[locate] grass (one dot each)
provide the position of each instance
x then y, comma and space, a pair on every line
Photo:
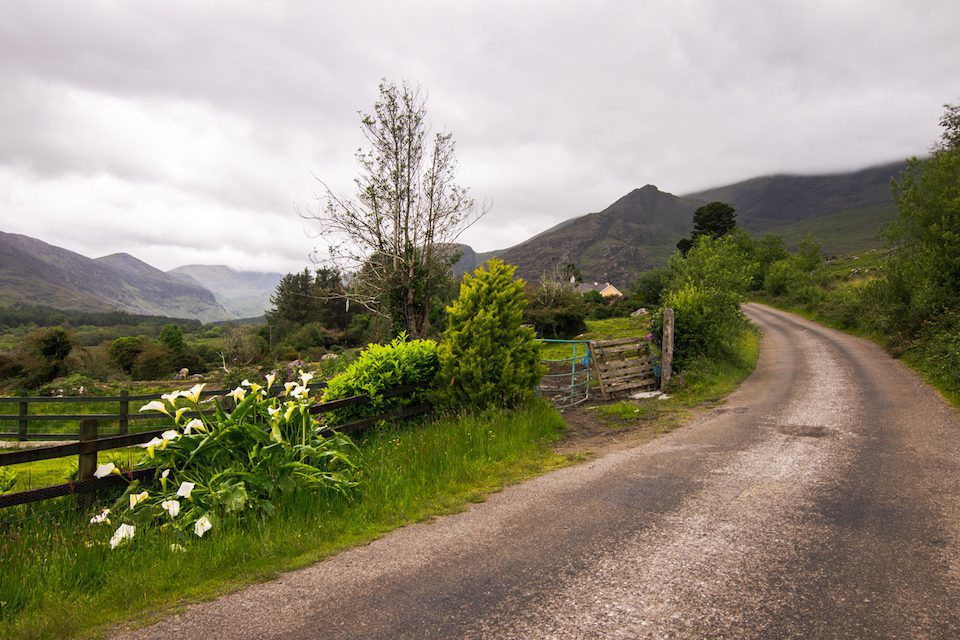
704, 383
44, 473
607, 329
58, 578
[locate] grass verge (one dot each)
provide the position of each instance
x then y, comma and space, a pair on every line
59, 578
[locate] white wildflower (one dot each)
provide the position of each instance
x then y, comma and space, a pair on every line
194, 393
186, 488
238, 394
172, 507
173, 395
170, 434
123, 532
106, 469
201, 526
271, 377
137, 498
155, 405
193, 424
306, 377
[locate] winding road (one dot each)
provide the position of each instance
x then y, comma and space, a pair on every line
822, 500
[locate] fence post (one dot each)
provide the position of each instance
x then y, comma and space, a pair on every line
22, 425
666, 356
124, 412
87, 463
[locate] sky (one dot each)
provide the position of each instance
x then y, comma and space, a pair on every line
194, 132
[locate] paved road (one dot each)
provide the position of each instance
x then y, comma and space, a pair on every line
821, 501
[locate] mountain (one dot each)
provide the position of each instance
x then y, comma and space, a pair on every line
245, 294
844, 211
34, 272
637, 232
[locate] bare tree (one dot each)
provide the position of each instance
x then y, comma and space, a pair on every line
397, 236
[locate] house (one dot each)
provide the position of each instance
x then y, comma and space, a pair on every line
606, 289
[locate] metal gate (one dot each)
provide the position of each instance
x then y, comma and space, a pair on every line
567, 381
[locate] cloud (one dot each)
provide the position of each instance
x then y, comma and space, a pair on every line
179, 131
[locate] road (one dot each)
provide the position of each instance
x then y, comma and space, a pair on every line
822, 500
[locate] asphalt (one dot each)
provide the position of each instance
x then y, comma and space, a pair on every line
822, 500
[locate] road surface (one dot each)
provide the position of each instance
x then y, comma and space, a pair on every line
822, 500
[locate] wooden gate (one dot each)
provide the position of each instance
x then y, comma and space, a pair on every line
622, 365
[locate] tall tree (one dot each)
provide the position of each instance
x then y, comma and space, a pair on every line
714, 219
397, 234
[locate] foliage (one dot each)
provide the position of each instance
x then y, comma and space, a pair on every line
398, 234
556, 310
171, 336
706, 289
648, 287
487, 357
379, 368
234, 464
714, 220
154, 361
124, 351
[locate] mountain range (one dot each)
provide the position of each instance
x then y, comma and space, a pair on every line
639, 231
37, 273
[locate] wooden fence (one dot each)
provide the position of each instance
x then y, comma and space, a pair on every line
89, 444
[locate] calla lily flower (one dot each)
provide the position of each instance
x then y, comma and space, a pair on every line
173, 395
155, 405
289, 385
194, 393
169, 434
165, 473
305, 377
123, 532
179, 414
245, 383
172, 507
291, 407
186, 488
106, 469
273, 411
193, 424
101, 518
153, 443
201, 526
271, 377
137, 498
238, 394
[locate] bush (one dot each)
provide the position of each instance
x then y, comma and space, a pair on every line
153, 362
706, 322
124, 351
557, 323
378, 368
487, 357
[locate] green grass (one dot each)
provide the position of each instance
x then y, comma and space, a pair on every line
704, 383
58, 578
43, 473
607, 329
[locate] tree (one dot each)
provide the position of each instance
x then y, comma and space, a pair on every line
172, 337
398, 234
487, 356
715, 219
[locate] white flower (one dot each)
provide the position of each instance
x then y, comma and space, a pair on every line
201, 526
173, 395
305, 377
300, 392
186, 488
193, 424
179, 414
155, 405
153, 442
101, 517
137, 498
238, 394
106, 469
270, 379
291, 407
289, 385
245, 383
172, 507
273, 411
165, 473
170, 434
123, 532
194, 392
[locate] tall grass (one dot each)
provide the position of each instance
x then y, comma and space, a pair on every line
59, 578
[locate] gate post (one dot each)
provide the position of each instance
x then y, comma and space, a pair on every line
666, 355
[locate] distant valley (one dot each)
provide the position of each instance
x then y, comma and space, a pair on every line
33, 272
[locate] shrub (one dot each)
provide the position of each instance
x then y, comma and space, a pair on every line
378, 368
153, 362
706, 322
487, 357
124, 351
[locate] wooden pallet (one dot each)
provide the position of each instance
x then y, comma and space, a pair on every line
622, 365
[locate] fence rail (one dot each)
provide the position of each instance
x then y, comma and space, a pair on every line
90, 444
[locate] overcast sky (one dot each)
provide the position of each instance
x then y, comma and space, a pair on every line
189, 132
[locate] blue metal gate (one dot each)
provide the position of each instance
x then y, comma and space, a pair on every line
567, 381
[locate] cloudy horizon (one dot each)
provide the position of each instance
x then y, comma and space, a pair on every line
191, 134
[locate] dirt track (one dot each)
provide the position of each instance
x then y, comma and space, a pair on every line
821, 501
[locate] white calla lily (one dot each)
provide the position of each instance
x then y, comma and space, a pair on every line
172, 396
193, 425
201, 526
305, 377
170, 434
137, 498
123, 532
289, 385
194, 393
172, 507
238, 394
179, 414
106, 469
186, 488
271, 377
155, 405
101, 518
